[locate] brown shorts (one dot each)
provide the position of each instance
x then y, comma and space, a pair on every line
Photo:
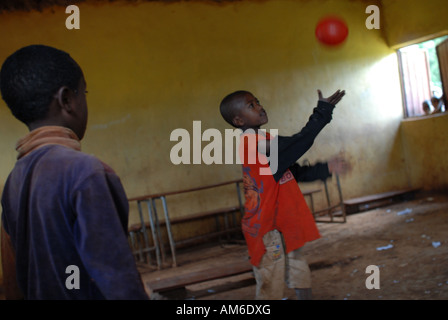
277, 269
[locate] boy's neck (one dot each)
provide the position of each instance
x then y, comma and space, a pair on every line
45, 123
256, 130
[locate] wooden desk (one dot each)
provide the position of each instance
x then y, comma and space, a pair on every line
154, 223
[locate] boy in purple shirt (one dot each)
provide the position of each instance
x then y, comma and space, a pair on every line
65, 213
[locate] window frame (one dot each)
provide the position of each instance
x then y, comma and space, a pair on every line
398, 51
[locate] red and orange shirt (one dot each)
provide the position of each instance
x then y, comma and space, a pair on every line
271, 205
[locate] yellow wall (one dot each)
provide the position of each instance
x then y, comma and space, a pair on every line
426, 148
406, 21
424, 139
152, 67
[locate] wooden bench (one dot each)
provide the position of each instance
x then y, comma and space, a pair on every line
333, 212
376, 200
136, 231
154, 225
197, 216
167, 285
146, 238
174, 287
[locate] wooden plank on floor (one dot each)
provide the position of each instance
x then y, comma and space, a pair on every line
352, 205
184, 280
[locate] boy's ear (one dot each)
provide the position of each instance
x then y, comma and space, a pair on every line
237, 121
63, 97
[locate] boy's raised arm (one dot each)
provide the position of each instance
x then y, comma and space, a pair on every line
334, 98
290, 149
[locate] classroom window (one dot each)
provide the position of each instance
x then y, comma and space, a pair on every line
424, 72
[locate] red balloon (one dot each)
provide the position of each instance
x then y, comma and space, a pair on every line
331, 31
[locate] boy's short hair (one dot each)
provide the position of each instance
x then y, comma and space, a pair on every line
228, 106
32, 75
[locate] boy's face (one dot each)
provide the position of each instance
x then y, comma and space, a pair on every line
435, 102
79, 123
250, 114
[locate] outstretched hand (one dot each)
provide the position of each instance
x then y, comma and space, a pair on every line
334, 98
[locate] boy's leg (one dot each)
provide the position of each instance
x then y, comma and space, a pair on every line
298, 274
270, 274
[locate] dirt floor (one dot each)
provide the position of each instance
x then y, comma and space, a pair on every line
407, 241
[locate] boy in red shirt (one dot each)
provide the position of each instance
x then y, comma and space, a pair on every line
277, 220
